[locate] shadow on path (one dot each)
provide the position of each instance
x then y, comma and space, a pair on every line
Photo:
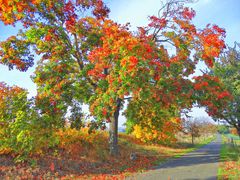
199, 164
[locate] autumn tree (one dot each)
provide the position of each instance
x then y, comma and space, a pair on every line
192, 127
208, 127
86, 57
22, 130
227, 69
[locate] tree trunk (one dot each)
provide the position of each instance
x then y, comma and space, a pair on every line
192, 139
113, 131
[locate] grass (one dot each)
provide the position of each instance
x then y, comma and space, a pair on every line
83, 156
230, 158
199, 142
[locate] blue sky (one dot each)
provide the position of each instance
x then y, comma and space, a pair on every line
225, 13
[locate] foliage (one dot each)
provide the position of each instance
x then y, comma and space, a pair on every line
165, 134
217, 96
227, 69
206, 127
233, 131
23, 131
192, 127
223, 129
85, 156
76, 117
94, 60
77, 143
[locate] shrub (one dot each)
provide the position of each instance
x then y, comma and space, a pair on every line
23, 131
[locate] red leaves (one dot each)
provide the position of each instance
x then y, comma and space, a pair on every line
200, 85
157, 23
104, 111
48, 37
71, 16
188, 13
52, 167
101, 11
148, 48
219, 30
69, 8
224, 94
211, 94
133, 62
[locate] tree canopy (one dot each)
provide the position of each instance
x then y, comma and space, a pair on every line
89, 58
228, 70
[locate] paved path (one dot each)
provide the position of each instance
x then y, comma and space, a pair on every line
200, 164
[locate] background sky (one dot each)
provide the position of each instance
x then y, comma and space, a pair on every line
224, 13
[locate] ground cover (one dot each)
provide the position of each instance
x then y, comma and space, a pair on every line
230, 158
80, 155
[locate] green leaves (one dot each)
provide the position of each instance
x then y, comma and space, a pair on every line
227, 69
34, 34
15, 52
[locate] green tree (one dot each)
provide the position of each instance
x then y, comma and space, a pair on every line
228, 70
23, 131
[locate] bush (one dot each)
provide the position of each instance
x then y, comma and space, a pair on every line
164, 135
23, 131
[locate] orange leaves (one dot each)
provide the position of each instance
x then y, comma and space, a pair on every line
230, 169
212, 41
14, 10
7, 10
130, 63
72, 140
133, 62
48, 37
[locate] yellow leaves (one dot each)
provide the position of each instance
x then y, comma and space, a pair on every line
143, 133
79, 141
137, 131
147, 131
5, 150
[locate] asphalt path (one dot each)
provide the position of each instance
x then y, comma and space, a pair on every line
199, 164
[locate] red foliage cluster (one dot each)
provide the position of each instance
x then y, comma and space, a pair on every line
157, 22
188, 13
212, 94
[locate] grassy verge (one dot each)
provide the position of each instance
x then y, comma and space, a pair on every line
230, 158
199, 142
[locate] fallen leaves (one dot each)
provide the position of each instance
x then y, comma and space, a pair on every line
86, 156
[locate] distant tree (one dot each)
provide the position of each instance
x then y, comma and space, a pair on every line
207, 127
228, 70
192, 127
223, 129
